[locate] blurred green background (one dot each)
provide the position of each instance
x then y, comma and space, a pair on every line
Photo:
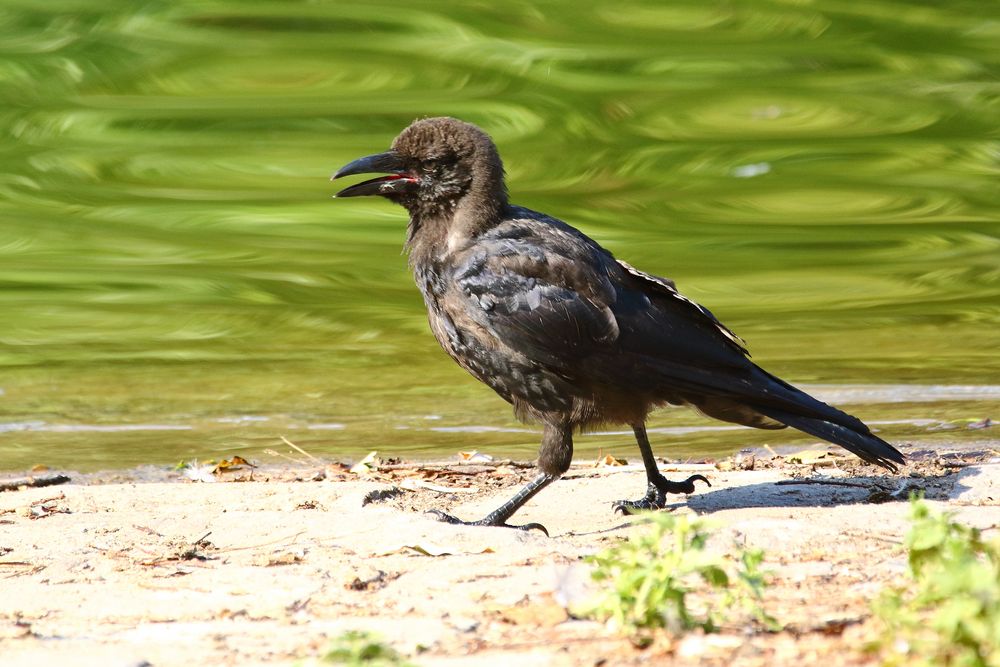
175, 280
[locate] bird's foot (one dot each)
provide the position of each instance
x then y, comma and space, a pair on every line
656, 494
448, 518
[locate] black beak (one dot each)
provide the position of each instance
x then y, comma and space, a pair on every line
397, 182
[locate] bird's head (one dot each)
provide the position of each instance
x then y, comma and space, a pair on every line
433, 166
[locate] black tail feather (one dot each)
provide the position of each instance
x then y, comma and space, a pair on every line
863, 443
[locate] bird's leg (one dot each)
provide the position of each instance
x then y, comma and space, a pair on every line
554, 457
499, 516
658, 485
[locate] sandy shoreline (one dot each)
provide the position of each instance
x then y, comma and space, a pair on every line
117, 572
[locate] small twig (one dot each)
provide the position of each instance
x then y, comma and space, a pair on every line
37, 568
828, 482
458, 464
42, 501
666, 466
872, 536
44, 480
826, 626
300, 450
291, 540
191, 553
271, 452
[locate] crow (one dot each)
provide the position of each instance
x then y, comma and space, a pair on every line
559, 328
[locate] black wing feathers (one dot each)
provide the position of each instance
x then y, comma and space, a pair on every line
549, 293
863, 443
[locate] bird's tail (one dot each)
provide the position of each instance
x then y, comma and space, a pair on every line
860, 441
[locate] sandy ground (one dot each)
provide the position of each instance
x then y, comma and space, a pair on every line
110, 571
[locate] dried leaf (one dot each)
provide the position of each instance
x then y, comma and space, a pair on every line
232, 464
336, 469
474, 457
411, 484
366, 465
609, 461
40, 511
289, 557
545, 614
815, 457
431, 549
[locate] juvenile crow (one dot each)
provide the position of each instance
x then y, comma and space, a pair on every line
559, 328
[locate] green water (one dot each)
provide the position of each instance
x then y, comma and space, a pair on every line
175, 280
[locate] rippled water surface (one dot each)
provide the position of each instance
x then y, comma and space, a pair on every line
175, 280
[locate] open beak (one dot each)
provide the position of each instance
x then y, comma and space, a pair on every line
398, 180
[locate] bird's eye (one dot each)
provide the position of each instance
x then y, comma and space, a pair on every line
428, 166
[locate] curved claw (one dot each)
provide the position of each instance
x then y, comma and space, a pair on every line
656, 494
655, 499
529, 526
632, 506
445, 517
448, 518
688, 484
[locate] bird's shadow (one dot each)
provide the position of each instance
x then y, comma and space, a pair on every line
801, 492
813, 492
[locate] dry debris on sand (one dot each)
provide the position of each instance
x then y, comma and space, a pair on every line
267, 567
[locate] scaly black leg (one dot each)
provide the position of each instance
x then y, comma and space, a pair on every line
499, 516
554, 457
658, 485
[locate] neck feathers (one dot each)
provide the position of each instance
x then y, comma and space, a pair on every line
434, 234
438, 229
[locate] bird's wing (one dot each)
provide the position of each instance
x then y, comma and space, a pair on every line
547, 293
666, 288
567, 308
545, 303
543, 289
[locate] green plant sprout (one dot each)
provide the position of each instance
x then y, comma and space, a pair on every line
950, 615
649, 579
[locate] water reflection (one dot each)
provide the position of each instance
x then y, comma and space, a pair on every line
818, 176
